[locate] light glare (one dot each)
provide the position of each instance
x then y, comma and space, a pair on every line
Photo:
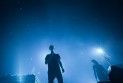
99, 51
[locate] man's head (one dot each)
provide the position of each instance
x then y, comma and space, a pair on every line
51, 47
95, 62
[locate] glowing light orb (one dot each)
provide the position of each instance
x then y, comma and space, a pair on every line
99, 51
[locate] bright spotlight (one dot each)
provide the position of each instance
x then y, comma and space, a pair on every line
99, 51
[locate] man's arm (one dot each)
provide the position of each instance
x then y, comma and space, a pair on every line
95, 73
60, 63
46, 61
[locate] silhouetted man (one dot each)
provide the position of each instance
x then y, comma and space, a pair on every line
54, 64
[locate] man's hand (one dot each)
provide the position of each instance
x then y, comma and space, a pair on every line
63, 70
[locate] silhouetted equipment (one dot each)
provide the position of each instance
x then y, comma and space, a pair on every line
116, 73
19, 79
104, 82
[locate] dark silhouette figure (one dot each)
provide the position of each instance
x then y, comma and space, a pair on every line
54, 64
100, 73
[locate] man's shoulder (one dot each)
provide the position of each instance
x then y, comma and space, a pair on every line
56, 54
53, 54
47, 55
